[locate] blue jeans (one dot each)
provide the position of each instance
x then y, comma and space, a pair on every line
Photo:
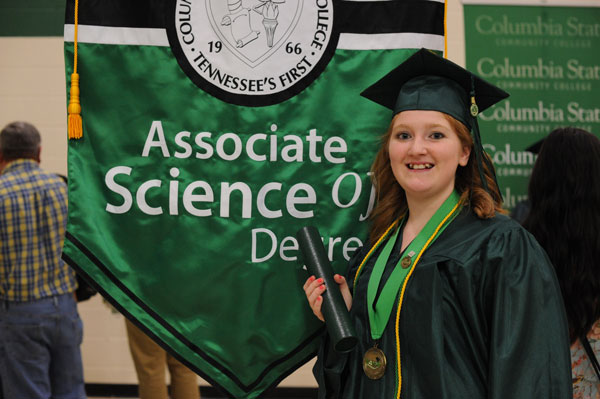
40, 356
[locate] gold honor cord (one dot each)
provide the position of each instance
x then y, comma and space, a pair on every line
380, 310
371, 252
447, 220
374, 361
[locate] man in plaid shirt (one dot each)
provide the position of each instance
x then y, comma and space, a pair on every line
40, 329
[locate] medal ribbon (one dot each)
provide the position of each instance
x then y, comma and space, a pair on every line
379, 314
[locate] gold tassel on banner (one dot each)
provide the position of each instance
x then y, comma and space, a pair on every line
75, 127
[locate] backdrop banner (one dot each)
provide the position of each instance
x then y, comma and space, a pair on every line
213, 131
548, 59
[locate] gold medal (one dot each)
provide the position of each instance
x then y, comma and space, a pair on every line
374, 363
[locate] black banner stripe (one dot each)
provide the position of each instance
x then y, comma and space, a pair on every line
393, 16
390, 17
119, 284
118, 13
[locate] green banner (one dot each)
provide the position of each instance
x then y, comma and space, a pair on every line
548, 59
212, 132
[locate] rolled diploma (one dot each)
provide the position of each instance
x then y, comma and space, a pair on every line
335, 313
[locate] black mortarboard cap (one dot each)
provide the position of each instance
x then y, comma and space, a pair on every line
426, 81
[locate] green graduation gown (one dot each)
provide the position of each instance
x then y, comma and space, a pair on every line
482, 317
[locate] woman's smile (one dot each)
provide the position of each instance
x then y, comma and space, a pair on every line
419, 166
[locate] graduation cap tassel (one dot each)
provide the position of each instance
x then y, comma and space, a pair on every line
477, 137
490, 165
479, 154
74, 126
479, 151
487, 162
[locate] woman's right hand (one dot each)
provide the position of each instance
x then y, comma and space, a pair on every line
314, 289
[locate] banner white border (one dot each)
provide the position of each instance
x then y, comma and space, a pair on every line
158, 37
116, 35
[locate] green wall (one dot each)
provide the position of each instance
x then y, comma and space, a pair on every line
32, 17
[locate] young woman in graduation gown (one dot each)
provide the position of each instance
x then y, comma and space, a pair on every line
449, 298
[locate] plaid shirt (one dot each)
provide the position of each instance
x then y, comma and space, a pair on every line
33, 217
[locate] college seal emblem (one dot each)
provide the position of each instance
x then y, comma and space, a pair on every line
252, 52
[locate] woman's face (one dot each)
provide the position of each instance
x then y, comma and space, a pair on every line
425, 152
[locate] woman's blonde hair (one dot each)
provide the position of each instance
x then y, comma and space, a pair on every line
391, 200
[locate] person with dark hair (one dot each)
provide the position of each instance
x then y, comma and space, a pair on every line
40, 329
449, 298
564, 218
521, 209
